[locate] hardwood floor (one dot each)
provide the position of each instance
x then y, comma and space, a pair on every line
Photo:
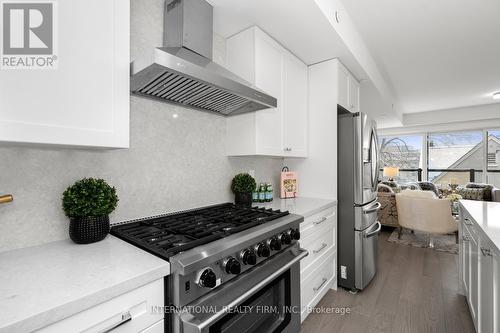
415, 290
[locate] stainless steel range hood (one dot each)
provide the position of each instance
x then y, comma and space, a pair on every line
183, 72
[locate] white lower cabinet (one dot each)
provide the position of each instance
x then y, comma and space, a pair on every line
159, 327
318, 269
479, 275
127, 313
315, 285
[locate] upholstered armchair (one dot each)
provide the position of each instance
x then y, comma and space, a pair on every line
388, 213
423, 211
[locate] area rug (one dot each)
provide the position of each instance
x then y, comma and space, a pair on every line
444, 243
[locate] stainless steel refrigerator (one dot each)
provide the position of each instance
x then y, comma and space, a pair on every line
358, 226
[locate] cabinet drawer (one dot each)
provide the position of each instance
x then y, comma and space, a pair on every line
159, 327
317, 243
130, 312
317, 220
317, 284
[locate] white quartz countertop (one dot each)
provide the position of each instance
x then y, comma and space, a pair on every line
301, 205
43, 284
487, 216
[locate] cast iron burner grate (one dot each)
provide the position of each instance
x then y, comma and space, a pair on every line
169, 234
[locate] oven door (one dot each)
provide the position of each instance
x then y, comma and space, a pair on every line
264, 299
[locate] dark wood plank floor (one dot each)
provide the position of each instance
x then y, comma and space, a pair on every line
415, 290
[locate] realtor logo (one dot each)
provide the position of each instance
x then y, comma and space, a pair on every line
28, 35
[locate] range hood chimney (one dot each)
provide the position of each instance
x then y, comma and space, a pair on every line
182, 71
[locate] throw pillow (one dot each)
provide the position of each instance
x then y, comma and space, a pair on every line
428, 186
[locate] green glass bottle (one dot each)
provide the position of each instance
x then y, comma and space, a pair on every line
255, 194
269, 192
262, 192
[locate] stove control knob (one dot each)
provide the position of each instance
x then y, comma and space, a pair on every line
294, 234
285, 238
248, 257
232, 266
263, 250
274, 244
208, 279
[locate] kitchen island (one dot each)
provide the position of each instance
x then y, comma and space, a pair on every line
479, 262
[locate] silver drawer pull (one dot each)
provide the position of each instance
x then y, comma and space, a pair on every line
321, 285
465, 238
323, 219
126, 317
486, 252
320, 249
467, 221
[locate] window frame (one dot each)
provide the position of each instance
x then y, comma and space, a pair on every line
424, 170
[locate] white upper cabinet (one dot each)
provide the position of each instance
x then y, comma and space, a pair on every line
295, 108
343, 87
348, 90
269, 74
280, 131
84, 101
353, 94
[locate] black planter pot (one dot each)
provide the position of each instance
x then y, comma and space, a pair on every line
86, 230
244, 199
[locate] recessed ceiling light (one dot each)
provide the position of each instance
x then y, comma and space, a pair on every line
496, 95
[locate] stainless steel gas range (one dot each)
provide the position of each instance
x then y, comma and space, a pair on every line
233, 269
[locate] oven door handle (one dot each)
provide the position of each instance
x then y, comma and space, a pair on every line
192, 324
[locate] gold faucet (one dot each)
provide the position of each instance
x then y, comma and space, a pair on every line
6, 198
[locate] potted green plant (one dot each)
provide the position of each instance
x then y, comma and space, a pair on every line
242, 186
88, 203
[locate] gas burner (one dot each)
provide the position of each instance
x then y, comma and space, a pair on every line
173, 233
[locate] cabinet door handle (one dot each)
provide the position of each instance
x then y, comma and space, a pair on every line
315, 289
321, 248
6, 198
486, 252
323, 219
126, 317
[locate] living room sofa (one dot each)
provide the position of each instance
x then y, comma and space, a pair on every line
388, 213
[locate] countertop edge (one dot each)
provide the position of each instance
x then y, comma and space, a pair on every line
463, 203
66, 310
316, 210
304, 206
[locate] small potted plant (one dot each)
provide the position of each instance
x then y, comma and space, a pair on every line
243, 186
454, 198
88, 204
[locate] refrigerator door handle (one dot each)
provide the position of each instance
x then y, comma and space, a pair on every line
374, 232
372, 209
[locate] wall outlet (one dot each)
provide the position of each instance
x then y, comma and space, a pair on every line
343, 272
251, 173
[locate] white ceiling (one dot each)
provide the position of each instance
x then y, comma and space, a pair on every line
438, 54
299, 26
303, 28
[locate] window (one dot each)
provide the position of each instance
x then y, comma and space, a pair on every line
494, 157
451, 156
404, 152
